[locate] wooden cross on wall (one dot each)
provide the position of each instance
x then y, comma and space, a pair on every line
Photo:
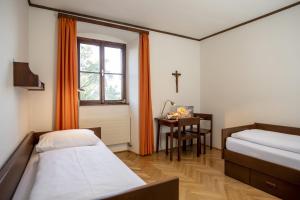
176, 74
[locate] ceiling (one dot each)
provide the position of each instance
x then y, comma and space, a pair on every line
124, 36
193, 18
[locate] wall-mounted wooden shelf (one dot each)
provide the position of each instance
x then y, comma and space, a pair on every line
23, 77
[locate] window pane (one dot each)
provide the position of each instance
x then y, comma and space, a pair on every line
90, 83
89, 58
113, 60
113, 87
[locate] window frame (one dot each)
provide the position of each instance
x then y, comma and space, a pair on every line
102, 44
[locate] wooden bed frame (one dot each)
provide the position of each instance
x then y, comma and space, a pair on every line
272, 178
12, 171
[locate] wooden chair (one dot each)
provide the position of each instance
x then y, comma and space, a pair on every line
181, 135
203, 131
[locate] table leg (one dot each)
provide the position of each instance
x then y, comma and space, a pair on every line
198, 145
204, 143
167, 144
171, 143
198, 140
184, 141
157, 137
179, 146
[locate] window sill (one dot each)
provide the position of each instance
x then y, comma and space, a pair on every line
102, 104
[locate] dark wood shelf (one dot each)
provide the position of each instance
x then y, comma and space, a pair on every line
23, 77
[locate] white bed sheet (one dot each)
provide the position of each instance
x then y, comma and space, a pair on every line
277, 140
88, 172
273, 155
26, 183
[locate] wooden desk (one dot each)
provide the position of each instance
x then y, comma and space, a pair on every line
169, 123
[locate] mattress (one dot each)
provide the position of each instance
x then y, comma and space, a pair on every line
270, 154
277, 140
87, 172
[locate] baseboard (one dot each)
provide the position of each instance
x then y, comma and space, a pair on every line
118, 147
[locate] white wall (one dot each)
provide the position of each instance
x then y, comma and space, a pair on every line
133, 92
167, 54
42, 59
13, 102
251, 74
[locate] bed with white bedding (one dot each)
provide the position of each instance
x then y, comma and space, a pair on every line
86, 172
264, 156
275, 147
262, 152
79, 167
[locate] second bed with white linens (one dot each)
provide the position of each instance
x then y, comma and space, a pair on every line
279, 148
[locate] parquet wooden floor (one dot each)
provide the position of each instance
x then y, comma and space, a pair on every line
201, 178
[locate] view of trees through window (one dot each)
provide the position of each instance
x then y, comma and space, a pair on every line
102, 71
89, 72
113, 73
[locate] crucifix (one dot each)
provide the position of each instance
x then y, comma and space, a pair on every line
176, 74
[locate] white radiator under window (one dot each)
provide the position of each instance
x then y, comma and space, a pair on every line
114, 130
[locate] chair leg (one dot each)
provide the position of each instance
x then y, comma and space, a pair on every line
167, 144
198, 145
171, 142
191, 142
179, 149
211, 139
204, 143
184, 145
171, 148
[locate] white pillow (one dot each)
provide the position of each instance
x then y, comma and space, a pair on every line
66, 138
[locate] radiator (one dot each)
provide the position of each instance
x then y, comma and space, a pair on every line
114, 130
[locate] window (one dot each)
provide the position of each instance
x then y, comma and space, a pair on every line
102, 72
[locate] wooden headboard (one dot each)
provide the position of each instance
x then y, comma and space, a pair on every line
278, 128
12, 171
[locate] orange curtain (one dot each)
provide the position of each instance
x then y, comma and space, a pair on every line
67, 75
145, 106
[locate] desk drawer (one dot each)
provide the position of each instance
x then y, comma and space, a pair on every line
274, 186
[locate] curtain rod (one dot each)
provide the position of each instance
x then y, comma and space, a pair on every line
102, 23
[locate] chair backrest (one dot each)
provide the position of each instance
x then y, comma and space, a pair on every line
188, 121
204, 116
207, 117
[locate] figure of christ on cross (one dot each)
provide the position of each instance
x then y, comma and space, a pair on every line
176, 74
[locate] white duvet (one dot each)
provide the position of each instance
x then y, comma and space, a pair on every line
276, 140
88, 172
